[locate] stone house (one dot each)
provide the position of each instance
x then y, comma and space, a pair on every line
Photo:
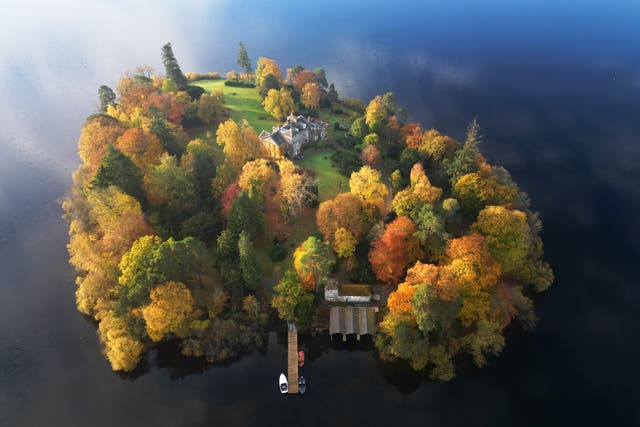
287, 139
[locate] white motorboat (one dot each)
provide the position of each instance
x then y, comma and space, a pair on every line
284, 384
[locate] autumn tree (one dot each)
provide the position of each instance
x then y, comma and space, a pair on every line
313, 260
375, 115
97, 134
211, 107
267, 66
297, 189
371, 156
310, 97
243, 59
268, 82
483, 188
344, 243
240, 143
412, 134
367, 184
302, 79
278, 103
170, 311
394, 250
151, 262
142, 147
344, 211
107, 97
359, 128
477, 271
291, 300
257, 175
419, 192
507, 234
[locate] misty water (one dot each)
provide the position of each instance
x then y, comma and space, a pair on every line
556, 88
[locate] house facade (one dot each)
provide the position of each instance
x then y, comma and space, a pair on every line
287, 139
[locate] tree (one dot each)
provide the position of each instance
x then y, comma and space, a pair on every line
107, 97
241, 143
359, 128
344, 211
430, 229
303, 78
267, 66
332, 94
143, 148
169, 312
172, 68
199, 162
344, 243
257, 175
419, 192
477, 271
371, 156
394, 250
268, 82
278, 103
245, 215
507, 234
96, 135
313, 260
290, 295
375, 115
464, 160
117, 169
248, 261
412, 133
371, 139
321, 77
311, 96
211, 107
483, 188
366, 184
243, 59
297, 189
152, 262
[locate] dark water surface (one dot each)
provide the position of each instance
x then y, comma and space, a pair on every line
555, 86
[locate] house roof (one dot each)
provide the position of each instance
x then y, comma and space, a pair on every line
352, 320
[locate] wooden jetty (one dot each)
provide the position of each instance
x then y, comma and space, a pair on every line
292, 356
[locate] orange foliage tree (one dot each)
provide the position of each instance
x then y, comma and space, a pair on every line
394, 250
142, 147
343, 211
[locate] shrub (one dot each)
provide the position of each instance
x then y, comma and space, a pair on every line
345, 162
277, 253
211, 75
239, 83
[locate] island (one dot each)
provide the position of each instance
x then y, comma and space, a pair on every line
208, 209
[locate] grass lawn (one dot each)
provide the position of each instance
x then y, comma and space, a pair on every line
330, 181
243, 103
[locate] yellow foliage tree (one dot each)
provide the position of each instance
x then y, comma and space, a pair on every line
375, 114
170, 311
420, 191
367, 184
311, 96
278, 103
241, 142
267, 66
344, 243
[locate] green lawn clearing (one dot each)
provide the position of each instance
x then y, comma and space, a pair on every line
243, 103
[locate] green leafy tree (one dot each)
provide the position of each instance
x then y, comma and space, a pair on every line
245, 215
359, 128
107, 97
464, 160
119, 170
291, 300
243, 59
172, 68
313, 260
248, 261
268, 82
321, 77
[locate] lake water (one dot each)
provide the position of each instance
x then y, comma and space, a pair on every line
556, 87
